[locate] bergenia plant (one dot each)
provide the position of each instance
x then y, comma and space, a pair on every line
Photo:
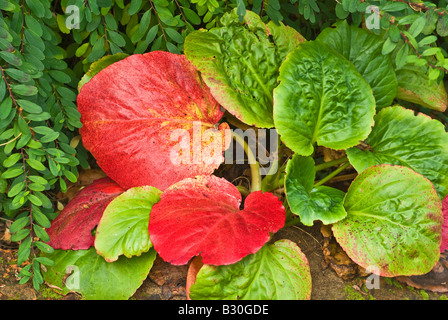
155, 124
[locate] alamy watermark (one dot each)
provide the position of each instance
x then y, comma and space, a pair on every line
73, 18
373, 280
73, 280
198, 146
373, 17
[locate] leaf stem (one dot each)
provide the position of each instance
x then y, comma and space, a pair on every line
183, 16
243, 190
329, 164
105, 35
254, 165
158, 20
332, 174
292, 221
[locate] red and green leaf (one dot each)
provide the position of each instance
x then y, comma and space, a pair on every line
130, 110
444, 244
202, 216
414, 86
72, 228
393, 223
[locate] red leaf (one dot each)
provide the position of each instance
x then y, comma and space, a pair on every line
130, 109
202, 216
72, 228
444, 244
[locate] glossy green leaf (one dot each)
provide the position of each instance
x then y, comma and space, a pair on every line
123, 228
12, 160
24, 90
19, 224
29, 106
33, 25
5, 108
16, 189
37, 7
401, 138
191, 16
10, 58
277, 271
44, 247
96, 279
394, 222
24, 251
321, 99
7, 5
174, 35
41, 234
18, 75
134, 7
311, 203
35, 164
20, 235
442, 26
99, 65
240, 62
363, 49
12, 173
414, 86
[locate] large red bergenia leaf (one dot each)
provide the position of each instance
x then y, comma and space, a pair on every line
131, 111
72, 228
444, 244
202, 216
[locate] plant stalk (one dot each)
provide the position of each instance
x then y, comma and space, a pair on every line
330, 164
332, 174
255, 184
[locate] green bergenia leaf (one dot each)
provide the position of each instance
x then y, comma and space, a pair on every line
123, 228
363, 49
414, 86
95, 278
240, 62
394, 222
401, 138
277, 271
308, 202
321, 99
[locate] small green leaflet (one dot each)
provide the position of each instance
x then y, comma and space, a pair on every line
311, 203
123, 228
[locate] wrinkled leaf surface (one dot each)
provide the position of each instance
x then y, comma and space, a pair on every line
239, 61
321, 99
